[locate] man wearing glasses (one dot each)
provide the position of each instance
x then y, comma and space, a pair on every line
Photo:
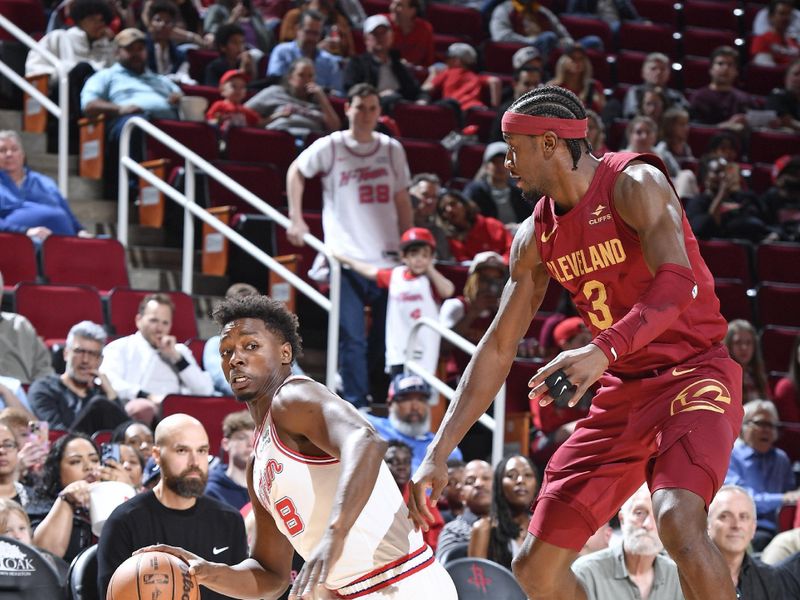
762, 469
81, 399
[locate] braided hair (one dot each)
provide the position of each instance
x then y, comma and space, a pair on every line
554, 101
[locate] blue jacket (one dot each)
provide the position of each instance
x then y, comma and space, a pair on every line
419, 445
37, 203
225, 489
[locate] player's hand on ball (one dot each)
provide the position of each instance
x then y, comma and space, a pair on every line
199, 567
582, 366
429, 476
310, 582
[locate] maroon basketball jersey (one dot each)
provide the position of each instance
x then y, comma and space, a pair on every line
598, 258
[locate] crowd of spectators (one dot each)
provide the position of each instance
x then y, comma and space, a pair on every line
292, 67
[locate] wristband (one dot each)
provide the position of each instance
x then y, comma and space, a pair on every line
672, 290
181, 364
65, 497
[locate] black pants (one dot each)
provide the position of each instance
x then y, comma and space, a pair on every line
98, 414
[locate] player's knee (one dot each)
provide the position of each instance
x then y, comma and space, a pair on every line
680, 529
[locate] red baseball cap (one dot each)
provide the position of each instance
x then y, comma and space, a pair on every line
228, 75
415, 236
567, 329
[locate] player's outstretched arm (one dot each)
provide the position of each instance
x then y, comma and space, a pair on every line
487, 370
306, 409
645, 200
263, 576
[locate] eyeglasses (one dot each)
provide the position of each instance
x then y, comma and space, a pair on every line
9, 446
764, 424
86, 352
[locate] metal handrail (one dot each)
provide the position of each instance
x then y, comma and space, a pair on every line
61, 112
187, 201
498, 433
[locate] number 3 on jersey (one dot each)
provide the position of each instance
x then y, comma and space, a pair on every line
600, 315
288, 514
369, 194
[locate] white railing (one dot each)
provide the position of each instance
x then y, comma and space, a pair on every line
61, 112
498, 431
187, 201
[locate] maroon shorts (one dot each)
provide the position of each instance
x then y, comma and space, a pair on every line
673, 430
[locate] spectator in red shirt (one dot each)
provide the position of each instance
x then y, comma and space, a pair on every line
413, 35
468, 231
787, 401
230, 111
458, 82
776, 47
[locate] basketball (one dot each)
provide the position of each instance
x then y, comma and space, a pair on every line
153, 576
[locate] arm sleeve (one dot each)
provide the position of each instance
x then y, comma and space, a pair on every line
113, 366
500, 26
198, 381
452, 312
383, 278
63, 203
95, 88
400, 166
277, 61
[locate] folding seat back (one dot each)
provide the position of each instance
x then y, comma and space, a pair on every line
123, 305
694, 72
208, 92
198, 60
728, 259
647, 38
375, 7
209, 410
200, 138
428, 157
497, 56
470, 159
248, 144
657, 11
478, 578
263, 180
776, 346
428, 122
701, 41
777, 304
484, 119
88, 261
702, 13
579, 27
768, 146
733, 299
700, 136
778, 262
629, 66
25, 14
456, 20
17, 259
54, 309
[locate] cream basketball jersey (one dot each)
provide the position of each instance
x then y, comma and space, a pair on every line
359, 182
298, 491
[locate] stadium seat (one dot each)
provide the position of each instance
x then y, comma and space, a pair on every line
102, 437
54, 434
455, 272
733, 299
54, 309
456, 20
701, 13
694, 72
580, 27
198, 59
249, 144
484, 119
776, 346
209, 410
82, 576
200, 138
86, 261
470, 159
629, 66
768, 146
700, 136
728, 259
196, 345
17, 260
615, 136
777, 304
760, 178
479, 579
123, 306
306, 252
497, 56
702, 41
453, 553
208, 92
658, 11
645, 37
28, 15
778, 262
375, 7
427, 122
262, 179
26, 573
428, 157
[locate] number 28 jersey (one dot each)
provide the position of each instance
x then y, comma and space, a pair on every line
359, 182
298, 491
598, 258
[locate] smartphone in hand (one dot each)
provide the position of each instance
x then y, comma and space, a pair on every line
109, 452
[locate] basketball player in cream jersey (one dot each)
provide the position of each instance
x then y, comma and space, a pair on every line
317, 481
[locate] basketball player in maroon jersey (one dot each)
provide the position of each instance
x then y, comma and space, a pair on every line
668, 405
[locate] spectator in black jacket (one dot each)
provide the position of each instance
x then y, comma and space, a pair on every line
494, 192
380, 66
81, 399
613, 13
785, 101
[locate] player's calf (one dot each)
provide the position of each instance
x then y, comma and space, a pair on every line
543, 571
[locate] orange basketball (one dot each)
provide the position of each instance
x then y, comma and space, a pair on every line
153, 576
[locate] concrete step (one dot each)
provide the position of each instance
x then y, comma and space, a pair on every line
11, 119
93, 213
48, 164
155, 257
168, 280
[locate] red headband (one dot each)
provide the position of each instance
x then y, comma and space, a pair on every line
529, 125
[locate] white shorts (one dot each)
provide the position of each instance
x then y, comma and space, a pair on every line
431, 582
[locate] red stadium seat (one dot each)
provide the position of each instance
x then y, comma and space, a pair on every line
657, 11
455, 272
470, 159
54, 434
579, 27
196, 345
201, 138
629, 66
427, 122
54, 309
694, 72
768, 146
700, 136
248, 144
733, 299
484, 119
102, 437
17, 259
776, 346
777, 304
198, 60
262, 179
647, 38
778, 262
760, 178
123, 305
456, 20
209, 410
25, 14
208, 92
702, 41
375, 7
428, 157
497, 56
86, 261
761, 80
720, 15
728, 259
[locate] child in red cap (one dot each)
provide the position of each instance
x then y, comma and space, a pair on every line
230, 112
416, 290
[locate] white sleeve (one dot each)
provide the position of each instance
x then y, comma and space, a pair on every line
35, 63
193, 377
400, 166
114, 367
317, 158
452, 312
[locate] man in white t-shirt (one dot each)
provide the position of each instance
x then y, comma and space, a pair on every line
365, 208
